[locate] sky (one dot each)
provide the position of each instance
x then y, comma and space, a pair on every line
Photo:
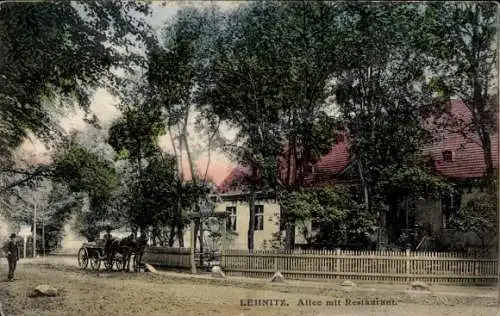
103, 104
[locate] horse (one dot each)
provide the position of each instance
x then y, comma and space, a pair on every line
124, 247
128, 247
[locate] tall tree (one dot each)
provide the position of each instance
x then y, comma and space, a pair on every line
88, 174
461, 43
306, 42
236, 88
56, 53
286, 50
384, 96
173, 70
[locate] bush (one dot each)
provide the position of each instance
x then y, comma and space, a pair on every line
479, 217
340, 219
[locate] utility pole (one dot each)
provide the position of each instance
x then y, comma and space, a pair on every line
34, 231
193, 262
43, 235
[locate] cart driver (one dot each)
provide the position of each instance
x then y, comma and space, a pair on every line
108, 238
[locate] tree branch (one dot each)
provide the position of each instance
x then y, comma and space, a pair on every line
39, 172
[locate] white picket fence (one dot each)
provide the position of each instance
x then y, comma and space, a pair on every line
380, 266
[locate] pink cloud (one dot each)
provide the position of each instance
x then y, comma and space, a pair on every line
217, 170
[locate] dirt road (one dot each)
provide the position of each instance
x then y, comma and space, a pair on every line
85, 293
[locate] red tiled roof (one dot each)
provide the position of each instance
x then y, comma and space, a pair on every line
468, 155
330, 164
232, 181
326, 168
468, 159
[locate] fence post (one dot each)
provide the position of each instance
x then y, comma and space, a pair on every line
275, 262
337, 263
407, 265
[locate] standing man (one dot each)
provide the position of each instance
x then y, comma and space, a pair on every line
12, 251
108, 239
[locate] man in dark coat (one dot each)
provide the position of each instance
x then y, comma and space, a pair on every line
12, 251
108, 239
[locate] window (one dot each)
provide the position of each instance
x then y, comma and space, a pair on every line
450, 205
259, 217
231, 221
447, 155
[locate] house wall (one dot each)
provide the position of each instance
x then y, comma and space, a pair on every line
430, 211
238, 239
426, 212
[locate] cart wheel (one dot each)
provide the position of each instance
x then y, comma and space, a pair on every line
95, 262
108, 264
120, 264
83, 258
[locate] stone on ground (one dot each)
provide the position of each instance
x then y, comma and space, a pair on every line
348, 283
217, 272
44, 290
278, 278
1, 310
150, 268
419, 285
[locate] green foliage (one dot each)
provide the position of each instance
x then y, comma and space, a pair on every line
172, 65
339, 217
415, 180
61, 205
461, 43
89, 174
157, 191
60, 51
266, 70
123, 154
479, 216
136, 133
235, 87
384, 99
308, 48
85, 172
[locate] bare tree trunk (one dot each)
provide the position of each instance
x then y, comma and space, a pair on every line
193, 179
155, 236
180, 235
195, 182
210, 140
488, 158
297, 181
251, 220
201, 241
290, 168
196, 229
171, 237
178, 212
365, 186
190, 159
178, 162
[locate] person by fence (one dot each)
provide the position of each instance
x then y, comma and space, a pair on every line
12, 250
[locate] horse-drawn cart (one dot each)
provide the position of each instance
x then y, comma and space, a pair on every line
95, 252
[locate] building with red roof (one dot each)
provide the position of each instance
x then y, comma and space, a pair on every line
454, 155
